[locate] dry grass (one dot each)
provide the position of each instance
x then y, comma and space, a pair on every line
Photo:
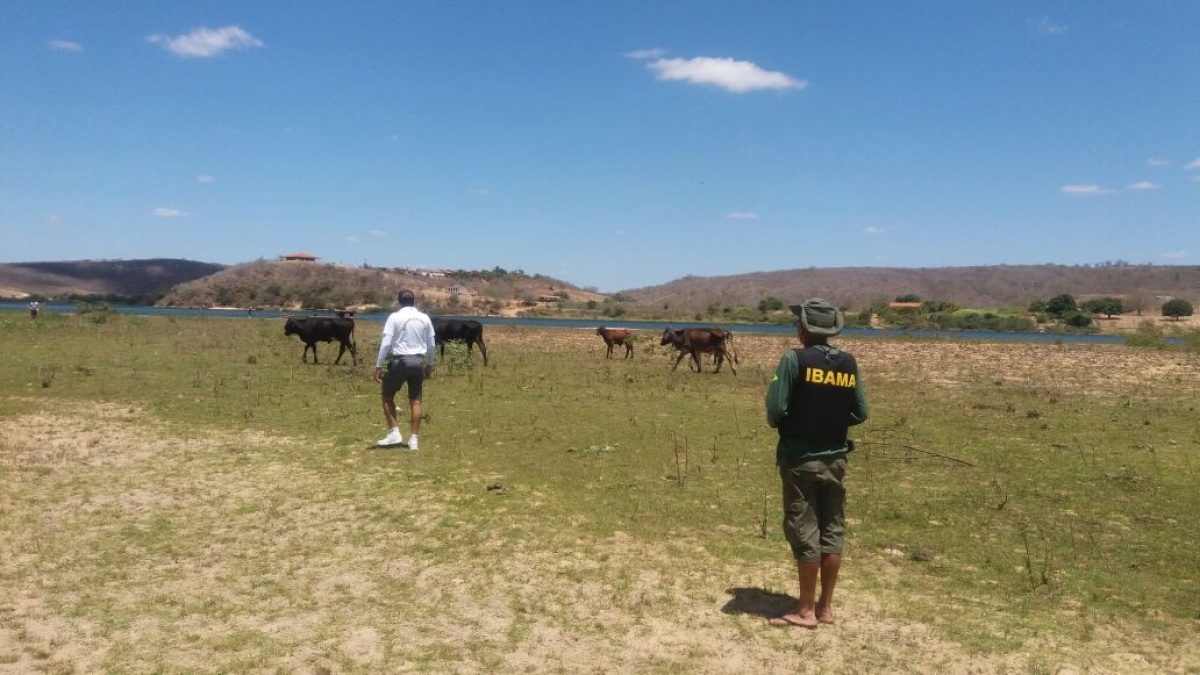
163, 528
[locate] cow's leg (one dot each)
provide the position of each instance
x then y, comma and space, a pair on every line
678, 359
482, 349
341, 350
696, 358
628, 350
728, 356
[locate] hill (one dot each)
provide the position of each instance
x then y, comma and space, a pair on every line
311, 285
137, 280
982, 286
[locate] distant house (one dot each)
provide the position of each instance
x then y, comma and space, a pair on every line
458, 289
906, 305
302, 257
549, 297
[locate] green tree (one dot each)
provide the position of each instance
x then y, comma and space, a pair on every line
945, 306
1061, 305
1108, 306
770, 304
1078, 319
1177, 307
910, 297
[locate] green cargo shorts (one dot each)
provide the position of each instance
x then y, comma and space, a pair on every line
814, 499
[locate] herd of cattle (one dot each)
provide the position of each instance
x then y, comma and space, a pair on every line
691, 342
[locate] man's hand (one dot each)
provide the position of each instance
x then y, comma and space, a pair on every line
379, 374
428, 372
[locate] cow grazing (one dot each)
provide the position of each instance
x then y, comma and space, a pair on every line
462, 330
695, 341
617, 336
314, 329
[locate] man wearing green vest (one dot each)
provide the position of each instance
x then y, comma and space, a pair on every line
813, 399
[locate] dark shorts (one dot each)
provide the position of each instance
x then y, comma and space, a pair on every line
814, 499
403, 370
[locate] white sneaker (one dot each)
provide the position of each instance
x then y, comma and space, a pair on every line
412, 442
393, 438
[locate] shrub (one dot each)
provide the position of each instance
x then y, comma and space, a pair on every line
1146, 335
1078, 320
1177, 307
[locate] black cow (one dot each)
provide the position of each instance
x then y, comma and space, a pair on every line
462, 330
314, 329
695, 341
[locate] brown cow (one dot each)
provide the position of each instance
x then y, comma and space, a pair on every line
617, 336
695, 341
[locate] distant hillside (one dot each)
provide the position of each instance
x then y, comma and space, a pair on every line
145, 280
988, 286
311, 285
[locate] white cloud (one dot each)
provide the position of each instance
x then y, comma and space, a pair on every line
52, 219
479, 192
876, 231
64, 46
729, 74
205, 42
205, 178
1143, 185
377, 233
1194, 164
1084, 190
1154, 161
162, 212
353, 239
1174, 255
652, 53
1050, 28
742, 215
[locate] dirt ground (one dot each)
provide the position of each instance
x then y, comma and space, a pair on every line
706, 617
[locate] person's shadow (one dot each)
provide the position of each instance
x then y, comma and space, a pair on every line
758, 602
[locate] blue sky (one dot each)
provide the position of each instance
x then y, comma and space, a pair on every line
610, 144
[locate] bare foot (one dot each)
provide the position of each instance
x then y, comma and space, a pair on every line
825, 615
795, 619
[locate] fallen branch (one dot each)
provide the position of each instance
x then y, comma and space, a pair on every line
932, 453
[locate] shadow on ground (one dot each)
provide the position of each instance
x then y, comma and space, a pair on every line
758, 602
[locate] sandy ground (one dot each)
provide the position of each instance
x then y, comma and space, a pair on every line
1128, 323
533, 611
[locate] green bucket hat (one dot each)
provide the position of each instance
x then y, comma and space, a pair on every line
819, 317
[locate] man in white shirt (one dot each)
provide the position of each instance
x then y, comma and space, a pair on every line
408, 339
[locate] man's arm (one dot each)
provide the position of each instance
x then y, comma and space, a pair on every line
859, 415
430, 344
780, 389
385, 345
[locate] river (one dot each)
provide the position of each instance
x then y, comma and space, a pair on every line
986, 335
